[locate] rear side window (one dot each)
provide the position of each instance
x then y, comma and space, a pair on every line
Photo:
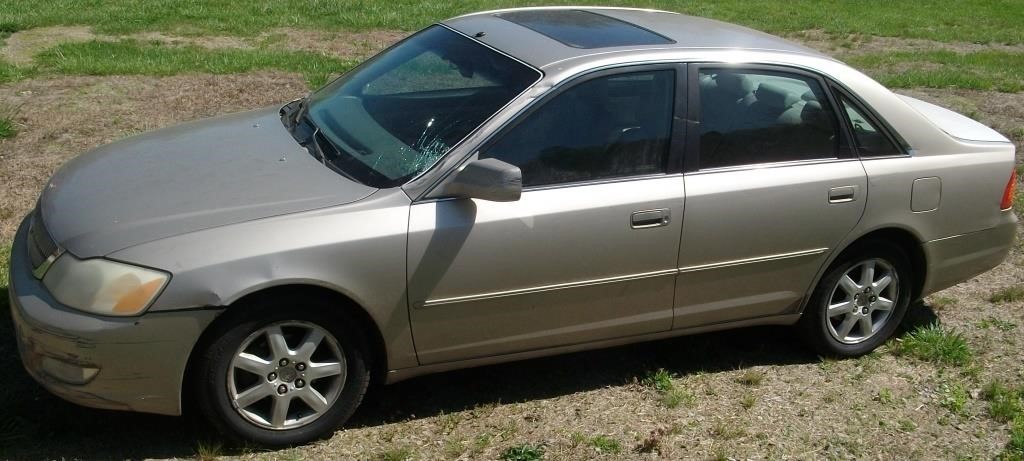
753, 116
606, 127
870, 140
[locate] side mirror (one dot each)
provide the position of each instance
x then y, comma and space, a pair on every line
488, 179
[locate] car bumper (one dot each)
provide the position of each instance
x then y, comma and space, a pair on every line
128, 363
952, 260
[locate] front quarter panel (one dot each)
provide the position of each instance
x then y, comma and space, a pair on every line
357, 250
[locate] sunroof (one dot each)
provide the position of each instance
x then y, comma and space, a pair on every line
584, 29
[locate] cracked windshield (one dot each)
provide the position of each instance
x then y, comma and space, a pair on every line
396, 115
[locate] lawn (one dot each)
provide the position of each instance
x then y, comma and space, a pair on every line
75, 74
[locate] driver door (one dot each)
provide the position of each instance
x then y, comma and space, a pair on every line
588, 253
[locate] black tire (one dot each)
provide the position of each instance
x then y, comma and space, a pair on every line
814, 324
213, 365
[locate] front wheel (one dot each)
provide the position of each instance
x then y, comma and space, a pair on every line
282, 371
860, 301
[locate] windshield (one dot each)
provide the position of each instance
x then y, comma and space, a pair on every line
400, 112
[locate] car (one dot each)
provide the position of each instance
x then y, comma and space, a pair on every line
499, 186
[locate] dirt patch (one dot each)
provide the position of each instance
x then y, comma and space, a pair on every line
23, 45
854, 44
356, 45
59, 118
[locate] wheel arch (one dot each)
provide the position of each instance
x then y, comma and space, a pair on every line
345, 303
904, 238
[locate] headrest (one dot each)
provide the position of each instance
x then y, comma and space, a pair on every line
734, 84
809, 96
775, 96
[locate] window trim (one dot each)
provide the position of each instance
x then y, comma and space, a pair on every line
677, 128
845, 151
879, 123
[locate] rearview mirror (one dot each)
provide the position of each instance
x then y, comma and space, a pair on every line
488, 179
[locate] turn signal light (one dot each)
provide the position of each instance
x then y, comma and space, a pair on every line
1009, 192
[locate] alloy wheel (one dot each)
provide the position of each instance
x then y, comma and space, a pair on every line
286, 375
862, 301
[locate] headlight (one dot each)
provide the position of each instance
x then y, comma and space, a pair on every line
102, 286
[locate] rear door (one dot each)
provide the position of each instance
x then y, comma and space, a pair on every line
589, 251
772, 187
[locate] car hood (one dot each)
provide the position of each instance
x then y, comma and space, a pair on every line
185, 178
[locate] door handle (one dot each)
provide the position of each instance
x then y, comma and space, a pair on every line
842, 194
649, 218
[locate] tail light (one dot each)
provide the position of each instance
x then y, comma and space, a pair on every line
1009, 192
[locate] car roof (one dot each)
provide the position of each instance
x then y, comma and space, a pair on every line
543, 36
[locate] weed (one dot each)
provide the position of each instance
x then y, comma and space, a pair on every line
748, 401
1008, 294
954, 398
750, 378
652, 443
481, 442
7, 128
942, 302
659, 380
393, 454
605, 444
449, 422
884, 396
675, 397
935, 344
992, 322
724, 430
907, 425
524, 452
208, 451
1004, 403
1019, 134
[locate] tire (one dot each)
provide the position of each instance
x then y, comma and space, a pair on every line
840, 331
313, 409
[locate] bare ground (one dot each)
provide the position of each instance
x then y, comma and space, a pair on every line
881, 406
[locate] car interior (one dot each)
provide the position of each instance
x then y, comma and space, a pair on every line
749, 118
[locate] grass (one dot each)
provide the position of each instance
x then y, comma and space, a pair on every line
983, 22
992, 322
672, 397
524, 452
750, 378
130, 57
1008, 295
659, 380
935, 344
394, 454
954, 398
606, 444
1007, 405
982, 70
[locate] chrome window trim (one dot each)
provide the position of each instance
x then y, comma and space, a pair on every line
757, 166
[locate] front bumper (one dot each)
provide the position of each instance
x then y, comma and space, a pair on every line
120, 363
952, 260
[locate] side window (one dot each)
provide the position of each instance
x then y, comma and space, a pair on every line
752, 116
605, 127
871, 142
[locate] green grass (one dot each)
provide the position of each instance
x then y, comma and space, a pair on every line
982, 70
976, 21
524, 452
1008, 294
935, 344
129, 57
954, 398
10, 73
605, 444
659, 380
1007, 405
676, 397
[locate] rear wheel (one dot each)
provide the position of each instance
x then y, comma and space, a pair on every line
860, 301
282, 371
